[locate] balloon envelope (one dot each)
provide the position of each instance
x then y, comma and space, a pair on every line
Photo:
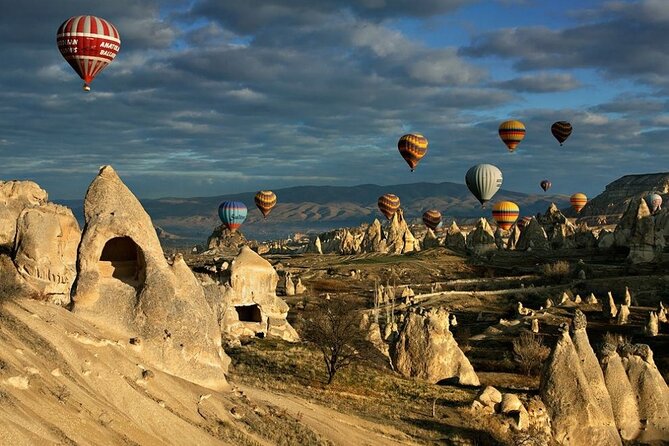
413, 148
654, 202
265, 201
512, 133
432, 218
89, 44
545, 185
578, 201
505, 214
483, 180
232, 214
561, 131
388, 205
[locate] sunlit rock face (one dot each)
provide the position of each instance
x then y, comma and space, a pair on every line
125, 283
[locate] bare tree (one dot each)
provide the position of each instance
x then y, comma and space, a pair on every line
530, 352
335, 330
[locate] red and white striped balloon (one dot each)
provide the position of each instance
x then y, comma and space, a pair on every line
89, 44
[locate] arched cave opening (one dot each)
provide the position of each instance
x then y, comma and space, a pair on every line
122, 259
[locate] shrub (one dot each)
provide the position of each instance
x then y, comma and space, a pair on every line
556, 272
529, 352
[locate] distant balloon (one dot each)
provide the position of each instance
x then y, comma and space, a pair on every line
523, 222
561, 131
413, 148
89, 44
232, 214
512, 133
432, 218
578, 201
505, 214
483, 180
545, 185
388, 205
265, 201
654, 202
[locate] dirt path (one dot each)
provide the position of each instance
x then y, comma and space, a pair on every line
339, 428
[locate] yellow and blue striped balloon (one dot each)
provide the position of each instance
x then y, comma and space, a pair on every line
232, 214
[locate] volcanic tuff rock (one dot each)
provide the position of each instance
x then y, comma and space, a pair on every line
374, 240
425, 349
245, 301
399, 238
618, 194
533, 237
15, 196
575, 412
224, 241
482, 238
455, 239
590, 366
45, 254
125, 283
623, 398
652, 393
559, 230
430, 240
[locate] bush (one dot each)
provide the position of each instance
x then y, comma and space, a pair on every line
557, 272
529, 352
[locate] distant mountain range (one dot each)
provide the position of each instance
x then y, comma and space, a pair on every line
313, 209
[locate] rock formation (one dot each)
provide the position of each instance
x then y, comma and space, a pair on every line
652, 326
636, 230
224, 241
246, 302
430, 240
514, 235
15, 196
609, 308
623, 399
481, 239
623, 314
573, 407
288, 285
559, 231
399, 239
125, 283
592, 300
374, 239
455, 239
299, 287
590, 366
425, 349
605, 239
45, 254
584, 238
532, 237
315, 246
652, 393
628, 297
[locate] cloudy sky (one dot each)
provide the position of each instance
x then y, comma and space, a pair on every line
208, 97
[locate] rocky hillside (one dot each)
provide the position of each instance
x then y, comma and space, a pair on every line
618, 194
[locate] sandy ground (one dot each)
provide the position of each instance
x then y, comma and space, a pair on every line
339, 428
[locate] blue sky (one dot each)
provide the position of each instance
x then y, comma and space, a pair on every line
209, 97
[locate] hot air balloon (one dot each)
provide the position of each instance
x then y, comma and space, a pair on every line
89, 44
505, 214
545, 185
483, 180
388, 205
523, 222
412, 147
512, 133
265, 200
432, 218
654, 202
578, 201
232, 214
561, 131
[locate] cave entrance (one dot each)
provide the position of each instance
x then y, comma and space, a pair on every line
122, 259
249, 313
